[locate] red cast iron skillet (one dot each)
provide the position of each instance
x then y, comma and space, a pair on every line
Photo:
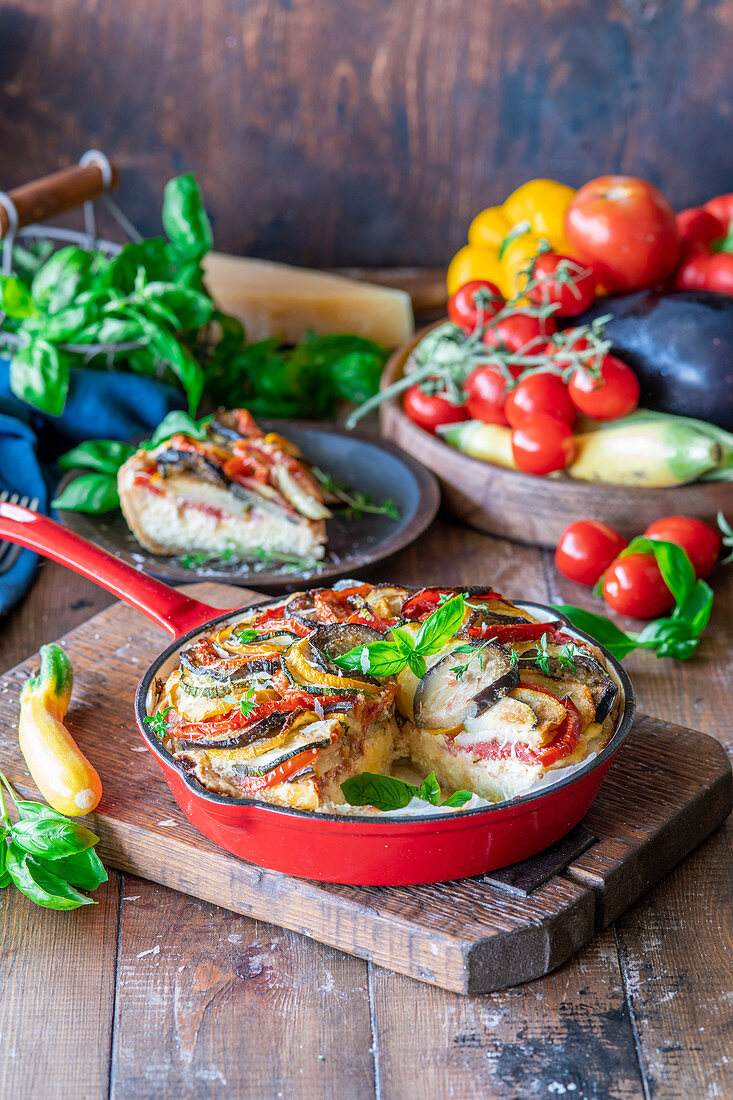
359, 850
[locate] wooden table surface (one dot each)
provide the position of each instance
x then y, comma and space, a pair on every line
155, 994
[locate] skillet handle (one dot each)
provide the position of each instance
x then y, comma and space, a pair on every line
166, 606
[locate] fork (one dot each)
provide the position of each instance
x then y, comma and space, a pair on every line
9, 552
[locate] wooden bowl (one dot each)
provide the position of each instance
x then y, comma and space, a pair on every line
535, 510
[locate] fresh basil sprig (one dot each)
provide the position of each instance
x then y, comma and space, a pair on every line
389, 793
400, 649
49, 857
157, 722
676, 635
147, 310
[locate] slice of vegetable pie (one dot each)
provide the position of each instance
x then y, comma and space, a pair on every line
238, 492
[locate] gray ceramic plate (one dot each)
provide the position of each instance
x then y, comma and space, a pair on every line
379, 469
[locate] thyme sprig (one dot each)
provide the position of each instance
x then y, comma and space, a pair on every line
566, 657
356, 503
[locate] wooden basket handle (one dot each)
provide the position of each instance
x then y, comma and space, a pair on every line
59, 192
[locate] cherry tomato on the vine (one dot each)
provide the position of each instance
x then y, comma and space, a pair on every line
543, 392
699, 540
431, 409
614, 394
586, 549
520, 332
542, 445
478, 296
562, 281
634, 586
486, 390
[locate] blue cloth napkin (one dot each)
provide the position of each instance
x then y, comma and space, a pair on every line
100, 405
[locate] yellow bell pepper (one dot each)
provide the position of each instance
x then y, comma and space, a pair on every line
502, 240
62, 773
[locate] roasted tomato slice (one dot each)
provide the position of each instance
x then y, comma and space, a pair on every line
565, 741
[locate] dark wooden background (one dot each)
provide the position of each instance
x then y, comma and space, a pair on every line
337, 132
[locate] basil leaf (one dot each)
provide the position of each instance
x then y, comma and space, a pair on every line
66, 324
190, 308
696, 611
91, 493
173, 423
3, 857
83, 870
104, 455
185, 220
111, 330
46, 836
403, 641
378, 658
676, 568
429, 790
40, 376
40, 885
30, 811
440, 626
460, 798
180, 362
600, 628
15, 298
61, 278
5, 880
383, 791
416, 664
153, 255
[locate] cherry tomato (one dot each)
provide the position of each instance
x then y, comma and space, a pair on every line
634, 586
431, 409
486, 389
463, 307
563, 282
626, 229
699, 540
586, 549
520, 332
542, 445
614, 394
543, 392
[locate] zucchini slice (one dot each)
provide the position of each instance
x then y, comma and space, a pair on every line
316, 735
464, 684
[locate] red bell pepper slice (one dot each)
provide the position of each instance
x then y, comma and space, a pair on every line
514, 632
252, 783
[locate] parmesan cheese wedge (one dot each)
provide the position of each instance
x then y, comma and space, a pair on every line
273, 299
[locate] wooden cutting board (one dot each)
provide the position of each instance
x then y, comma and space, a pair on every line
669, 788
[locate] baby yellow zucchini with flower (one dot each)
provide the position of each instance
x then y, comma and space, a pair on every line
62, 773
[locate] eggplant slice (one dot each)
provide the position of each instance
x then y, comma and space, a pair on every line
587, 671
446, 698
171, 460
336, 639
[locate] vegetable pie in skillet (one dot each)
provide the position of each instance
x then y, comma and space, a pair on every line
304, 692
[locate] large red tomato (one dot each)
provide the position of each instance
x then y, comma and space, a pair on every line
626, 229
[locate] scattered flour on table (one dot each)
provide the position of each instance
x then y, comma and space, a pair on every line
151, 951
